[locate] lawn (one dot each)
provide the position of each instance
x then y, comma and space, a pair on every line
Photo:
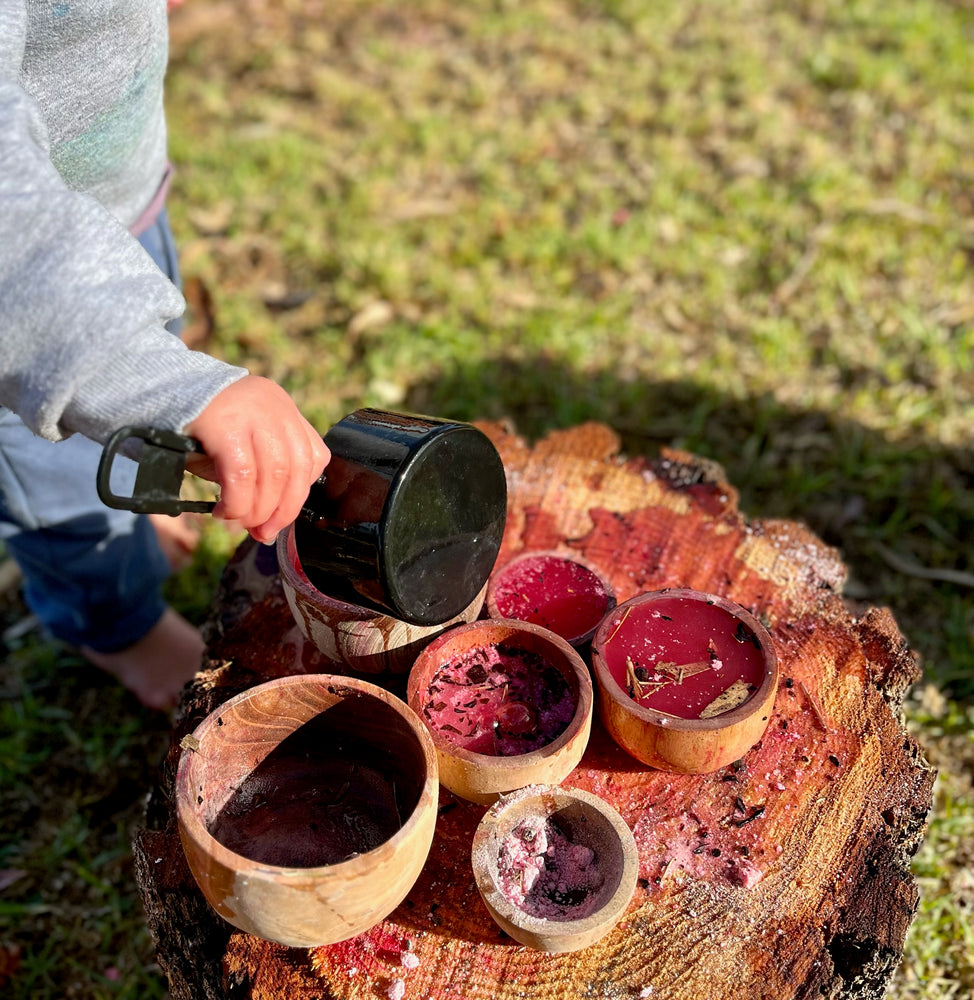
744, 230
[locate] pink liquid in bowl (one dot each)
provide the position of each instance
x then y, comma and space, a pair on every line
684, 653
556, 593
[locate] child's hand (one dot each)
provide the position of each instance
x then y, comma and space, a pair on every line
261, 451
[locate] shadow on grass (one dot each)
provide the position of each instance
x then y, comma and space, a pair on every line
899, 510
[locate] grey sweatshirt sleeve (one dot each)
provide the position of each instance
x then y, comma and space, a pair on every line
83, 344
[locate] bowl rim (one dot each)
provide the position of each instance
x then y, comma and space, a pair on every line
609, 687
191, 824
553, 798
584, 702
563, 555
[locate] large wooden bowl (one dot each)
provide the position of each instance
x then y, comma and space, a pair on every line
703, 742
369, 642
589, 824
482, 777
306, 807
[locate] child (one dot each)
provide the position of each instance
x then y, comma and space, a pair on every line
88, 285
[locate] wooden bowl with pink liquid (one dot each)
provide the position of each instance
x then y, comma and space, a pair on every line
686, 680
558, 590
507, 704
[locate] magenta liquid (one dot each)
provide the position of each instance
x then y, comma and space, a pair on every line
660, 636
558, 594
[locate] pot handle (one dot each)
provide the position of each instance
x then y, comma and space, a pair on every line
159, 475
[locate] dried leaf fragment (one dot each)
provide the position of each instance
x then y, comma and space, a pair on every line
728, 699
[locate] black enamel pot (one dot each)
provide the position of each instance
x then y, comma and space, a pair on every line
407, 518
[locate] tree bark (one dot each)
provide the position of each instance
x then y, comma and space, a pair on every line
784, 875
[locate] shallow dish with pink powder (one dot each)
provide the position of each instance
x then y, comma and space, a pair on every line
555, 867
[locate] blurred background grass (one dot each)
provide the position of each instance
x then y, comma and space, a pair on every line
745, 230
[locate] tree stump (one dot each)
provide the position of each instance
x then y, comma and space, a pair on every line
783, 875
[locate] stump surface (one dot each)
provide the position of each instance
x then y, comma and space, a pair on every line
784, 875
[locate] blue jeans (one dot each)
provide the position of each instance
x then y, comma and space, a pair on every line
92, 575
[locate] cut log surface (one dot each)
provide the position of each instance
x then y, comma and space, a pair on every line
783, 875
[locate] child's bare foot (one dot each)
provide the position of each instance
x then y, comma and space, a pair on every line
156, 668
178, 537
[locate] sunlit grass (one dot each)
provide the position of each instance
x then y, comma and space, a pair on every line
939, 955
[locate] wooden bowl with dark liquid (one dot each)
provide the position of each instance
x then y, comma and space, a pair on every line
306, 807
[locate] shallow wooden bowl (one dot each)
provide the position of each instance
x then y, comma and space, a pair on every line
369, 642
306, 807
575, 901
480, 776
560, 591
686, 643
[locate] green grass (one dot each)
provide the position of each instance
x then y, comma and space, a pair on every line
939, 957
746, 230
76, 756
748, 233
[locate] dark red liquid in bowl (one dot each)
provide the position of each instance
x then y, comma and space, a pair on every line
661, 635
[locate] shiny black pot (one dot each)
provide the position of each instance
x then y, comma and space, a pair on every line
407, 519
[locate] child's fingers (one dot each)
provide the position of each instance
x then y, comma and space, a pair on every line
235, 467
264, 454
273, 458
284, 492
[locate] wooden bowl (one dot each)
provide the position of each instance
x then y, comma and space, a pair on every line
686, 680
528, 681
555, 867
562, 592
306, 807
369, 642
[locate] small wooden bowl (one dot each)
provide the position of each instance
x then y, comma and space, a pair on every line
707, 672
575, 900
369, 642
562, 592
306, 807
549, 690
